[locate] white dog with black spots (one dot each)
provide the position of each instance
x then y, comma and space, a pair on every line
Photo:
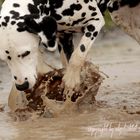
24, 25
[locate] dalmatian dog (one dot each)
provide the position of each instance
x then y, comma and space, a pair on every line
26, 24
125, 14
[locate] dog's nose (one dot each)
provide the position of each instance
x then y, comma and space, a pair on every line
23, 87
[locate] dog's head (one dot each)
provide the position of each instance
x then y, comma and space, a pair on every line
19, 48
20, 51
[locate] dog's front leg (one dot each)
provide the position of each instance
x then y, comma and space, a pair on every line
72, 74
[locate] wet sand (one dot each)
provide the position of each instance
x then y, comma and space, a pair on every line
117, 112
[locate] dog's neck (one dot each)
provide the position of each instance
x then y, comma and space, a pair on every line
42, 66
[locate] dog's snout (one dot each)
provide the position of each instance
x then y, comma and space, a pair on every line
23, 87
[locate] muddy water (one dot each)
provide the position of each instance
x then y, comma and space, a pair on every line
116, 115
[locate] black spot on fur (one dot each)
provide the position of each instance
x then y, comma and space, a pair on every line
53, 6
25, 54
31, 25
89, 20
86, 1
94, 14
62, 23
76, 6
90, 28
96, 18
4, 24
7, 51
77, 21
56, 3
32, 16
33, 9
20, 24
9, 57
52, 12
92, 8
38, 2
13, 22
15, 77
83, 14
70, 11
68, 24
88, 34
16, 5
95, 34
57, 17
82, 48
7, 19
21, 27
15, 14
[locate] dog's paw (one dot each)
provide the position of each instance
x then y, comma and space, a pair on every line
71, 82
71, 77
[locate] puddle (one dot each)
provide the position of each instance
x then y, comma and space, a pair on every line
117, 120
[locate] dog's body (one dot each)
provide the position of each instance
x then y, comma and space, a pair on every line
23, 23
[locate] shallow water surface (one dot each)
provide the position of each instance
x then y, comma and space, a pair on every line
116, 118
87, 126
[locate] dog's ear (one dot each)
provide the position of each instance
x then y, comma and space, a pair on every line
49, 26
49, 30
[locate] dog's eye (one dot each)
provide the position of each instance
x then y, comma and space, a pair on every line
25, 54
